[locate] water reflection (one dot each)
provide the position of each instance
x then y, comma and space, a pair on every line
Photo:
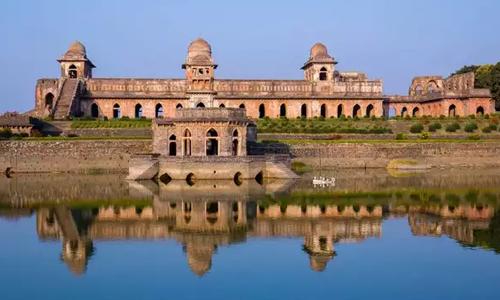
212, 214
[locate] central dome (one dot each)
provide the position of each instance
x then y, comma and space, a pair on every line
318, 50
200, 45
77, 47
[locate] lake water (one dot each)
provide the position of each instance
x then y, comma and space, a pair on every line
372, 234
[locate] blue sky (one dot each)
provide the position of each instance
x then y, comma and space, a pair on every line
390, 39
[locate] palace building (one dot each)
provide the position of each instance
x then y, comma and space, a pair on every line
324, 91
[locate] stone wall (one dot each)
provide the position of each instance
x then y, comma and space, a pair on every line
69, 156
378, 155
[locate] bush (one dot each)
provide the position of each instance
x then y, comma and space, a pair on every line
6, 133
470, 127
417, 128
374, 118
486, 116
437, 125
494, 119
424, 120
432, 128
407, 118
486, 130
493, 126
472, 117
450, 128
401, 136
424, 136
456, 125
474, 137
442, 117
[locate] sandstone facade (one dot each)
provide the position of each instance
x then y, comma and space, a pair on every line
324, 91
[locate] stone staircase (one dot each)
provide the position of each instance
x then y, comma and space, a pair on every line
62, 107
279, 170
142, 167
66, 223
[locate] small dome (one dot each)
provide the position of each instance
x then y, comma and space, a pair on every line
77, 47
318, 50
200, 45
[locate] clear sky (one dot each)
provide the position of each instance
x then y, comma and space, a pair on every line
269, 39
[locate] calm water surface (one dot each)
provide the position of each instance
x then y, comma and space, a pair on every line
370, 235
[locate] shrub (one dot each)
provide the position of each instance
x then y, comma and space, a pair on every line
494, 119
456, 125
470, 127
424, 120
474, 137
442, 117
374, 118
343, 118
401, 136
6, 133
437, 125
36, 133
486, 130
432, 128
450, 128
417, 128
356, 118
472, 117
424, 136
493, 126
321, 118
486, 116
407, 118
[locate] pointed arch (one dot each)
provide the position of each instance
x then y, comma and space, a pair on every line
94, 110
178, 106
138, 111
369, 110
212, 142
242, 105
159, 111
303, 110
236, 143
283, 110
415, 112
404, 112
323, 74
356, 110
323, 110
117, 113
49, 100
262, 110
72, 72
452, 110
186, 143
172, 145
200, 105
480, 111
340, 110
222, 105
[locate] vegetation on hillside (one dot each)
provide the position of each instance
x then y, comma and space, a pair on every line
487, 77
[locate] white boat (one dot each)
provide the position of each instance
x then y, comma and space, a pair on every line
323, 182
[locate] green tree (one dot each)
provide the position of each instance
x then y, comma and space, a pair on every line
487, 77
466, 69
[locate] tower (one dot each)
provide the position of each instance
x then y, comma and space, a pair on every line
200, 68
74, 63
320, 66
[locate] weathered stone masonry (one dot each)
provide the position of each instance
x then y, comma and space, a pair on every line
324, 91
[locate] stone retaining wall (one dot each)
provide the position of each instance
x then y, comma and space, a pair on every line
70, 156
378, 155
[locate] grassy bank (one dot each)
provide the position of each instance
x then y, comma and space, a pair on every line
80, 138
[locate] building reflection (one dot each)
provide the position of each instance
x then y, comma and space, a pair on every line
209, 215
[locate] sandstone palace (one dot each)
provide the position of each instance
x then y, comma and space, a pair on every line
324, 91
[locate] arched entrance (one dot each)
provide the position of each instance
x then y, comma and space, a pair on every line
178, 106
242, 105
94, 110
186, 143
72, 72
262, 111
159, 111
236, 144
117, 113
392, 112
340, 110
323, 111
323, 74
172, 145
369, 110
222, 105
212, 143
49, 100
404, 112
303, 111
138, 111
452, 110
200, 105
416, 112
283, 110
480, 111
356, 111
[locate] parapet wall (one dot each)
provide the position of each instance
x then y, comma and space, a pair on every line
69, 156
